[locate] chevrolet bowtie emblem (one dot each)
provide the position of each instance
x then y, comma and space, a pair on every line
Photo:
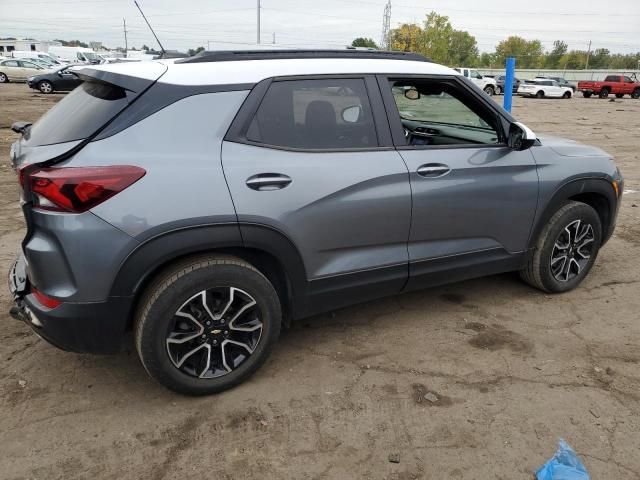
216, 332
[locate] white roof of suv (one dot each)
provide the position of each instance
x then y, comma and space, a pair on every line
220, 72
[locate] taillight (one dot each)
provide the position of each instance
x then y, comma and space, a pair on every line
45, 300
78, 189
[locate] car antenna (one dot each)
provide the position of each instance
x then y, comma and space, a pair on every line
150, 28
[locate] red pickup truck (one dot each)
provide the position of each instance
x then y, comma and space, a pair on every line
619, 85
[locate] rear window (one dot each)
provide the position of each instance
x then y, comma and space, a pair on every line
78, 115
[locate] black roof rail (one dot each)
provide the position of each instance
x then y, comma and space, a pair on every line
235, 55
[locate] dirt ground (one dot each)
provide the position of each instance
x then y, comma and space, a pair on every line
510, 369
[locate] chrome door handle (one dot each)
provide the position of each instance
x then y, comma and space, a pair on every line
433, 170
268, 181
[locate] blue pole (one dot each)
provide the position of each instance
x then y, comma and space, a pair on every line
508, 83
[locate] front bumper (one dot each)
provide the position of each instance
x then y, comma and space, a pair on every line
92, 327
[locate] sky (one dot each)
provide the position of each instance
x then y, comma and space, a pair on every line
226, 24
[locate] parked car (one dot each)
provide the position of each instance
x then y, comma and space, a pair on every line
282, 200
58, 80
619, 85
486, 83
35, 54
14, 70
541, 88
561, 81
500, 81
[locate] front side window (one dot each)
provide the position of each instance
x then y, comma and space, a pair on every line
29, 65
315, 114
437, 113
628, 80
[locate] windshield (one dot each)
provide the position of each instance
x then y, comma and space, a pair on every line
92, 56
78, 115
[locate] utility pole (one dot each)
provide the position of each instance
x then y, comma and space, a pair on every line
208, 45
126, 45
274, 38
385, 41
258, 26
586, 65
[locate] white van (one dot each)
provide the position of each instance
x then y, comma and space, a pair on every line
76, 54
33, 54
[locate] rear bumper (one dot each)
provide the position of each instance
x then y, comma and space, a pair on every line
90, 327
77, 327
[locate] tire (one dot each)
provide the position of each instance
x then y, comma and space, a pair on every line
498, 91
635, 93
489, 90
587, 94
541, 273
566, 95
45, 86
604, 93
167, 326
540, 94
619, 95
3, 78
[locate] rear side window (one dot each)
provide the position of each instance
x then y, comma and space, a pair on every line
78, 115
612, 78
315, 114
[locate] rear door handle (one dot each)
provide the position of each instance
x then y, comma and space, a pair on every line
433, 170
268, 181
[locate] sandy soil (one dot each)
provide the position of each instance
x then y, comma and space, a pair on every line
512, 369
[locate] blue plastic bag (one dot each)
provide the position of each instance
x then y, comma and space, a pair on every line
565, 465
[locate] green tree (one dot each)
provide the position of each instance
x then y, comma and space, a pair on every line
487, 60
193, 52
599, 58
437, 37
528, 53
364, 42
463, 50
575, 59
552, 59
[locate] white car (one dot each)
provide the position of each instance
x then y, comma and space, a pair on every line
541, 88
15, 69
487, 84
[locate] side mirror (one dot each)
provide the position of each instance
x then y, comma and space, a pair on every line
521, 137
411, 93
351, 114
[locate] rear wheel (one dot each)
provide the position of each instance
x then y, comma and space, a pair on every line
604, 93
45, 86
566, 249
498, 90
489, 90
566, 95
3, 78
207, 324
586, 94
619, 95
540, 94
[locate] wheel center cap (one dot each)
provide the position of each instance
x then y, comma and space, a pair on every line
216, 332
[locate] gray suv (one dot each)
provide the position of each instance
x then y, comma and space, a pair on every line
205, 203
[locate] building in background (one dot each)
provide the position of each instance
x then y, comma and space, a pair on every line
27, 44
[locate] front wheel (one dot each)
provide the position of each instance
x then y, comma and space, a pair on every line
540, 94
566, 249
207, 324
586, 94
635, 93
489, 90
566, 95
604, 93
45, 86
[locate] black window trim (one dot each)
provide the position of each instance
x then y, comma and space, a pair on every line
502, 121
240, 125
